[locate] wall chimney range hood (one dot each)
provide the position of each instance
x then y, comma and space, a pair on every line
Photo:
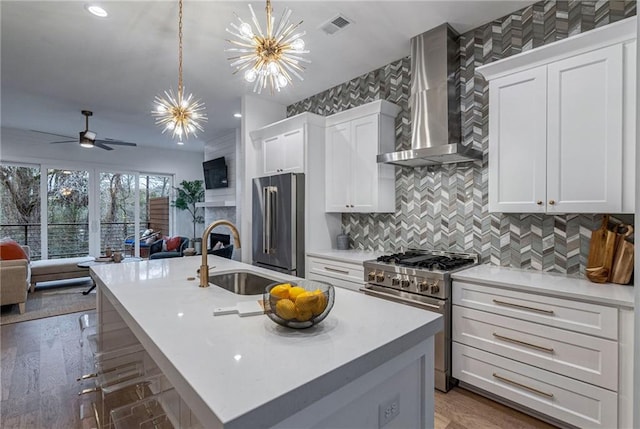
434, 103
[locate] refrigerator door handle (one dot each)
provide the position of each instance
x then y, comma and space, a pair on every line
274, 217
266, 220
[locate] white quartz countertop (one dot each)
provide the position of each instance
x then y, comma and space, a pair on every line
248, 372
552, 284
355, 256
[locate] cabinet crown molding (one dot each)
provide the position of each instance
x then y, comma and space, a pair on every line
287, 124
383, 107
618, 32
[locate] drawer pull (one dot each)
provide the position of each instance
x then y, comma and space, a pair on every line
523, 307
335, 270
524, 386
86, 376
523, 343
89, 390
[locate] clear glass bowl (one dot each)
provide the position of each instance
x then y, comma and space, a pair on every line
299, 304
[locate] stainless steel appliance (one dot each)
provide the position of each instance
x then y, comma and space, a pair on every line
422, 279
434, 103
278, 223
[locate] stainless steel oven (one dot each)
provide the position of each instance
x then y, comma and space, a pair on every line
421, 279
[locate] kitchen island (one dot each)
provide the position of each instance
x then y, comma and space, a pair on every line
369, 363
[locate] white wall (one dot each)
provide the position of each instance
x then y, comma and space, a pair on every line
225, 145
636, 354
256, 113
21, 146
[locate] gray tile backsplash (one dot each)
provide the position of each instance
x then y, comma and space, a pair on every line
446, 207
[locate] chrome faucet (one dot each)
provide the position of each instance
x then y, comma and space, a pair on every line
204, 268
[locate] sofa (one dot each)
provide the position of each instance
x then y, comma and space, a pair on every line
156, 249
15, 278
58, 269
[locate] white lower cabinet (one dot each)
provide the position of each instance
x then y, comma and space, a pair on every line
565, 399
553, 356
345, 274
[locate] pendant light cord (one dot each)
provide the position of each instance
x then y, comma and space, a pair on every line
180, 50
269, 12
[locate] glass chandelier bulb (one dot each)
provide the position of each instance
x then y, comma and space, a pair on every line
298, 45
282, 80
246, 30
272, 68
271, 58
250, 75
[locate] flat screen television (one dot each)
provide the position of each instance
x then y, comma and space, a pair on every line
215, 173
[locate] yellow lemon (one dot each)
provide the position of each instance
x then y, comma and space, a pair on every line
306, 301
281, 291
303, 315
321, 304
286, 309
295, 291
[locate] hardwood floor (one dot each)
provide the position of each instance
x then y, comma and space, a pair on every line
462, 409
42, 358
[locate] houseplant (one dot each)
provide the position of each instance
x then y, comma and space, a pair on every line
188, 194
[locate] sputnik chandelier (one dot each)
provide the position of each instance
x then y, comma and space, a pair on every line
177, 113
268, 58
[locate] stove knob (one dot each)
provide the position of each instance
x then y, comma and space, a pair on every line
371, 276
395, 281
435, 289
380, 277
423, 286
405, 283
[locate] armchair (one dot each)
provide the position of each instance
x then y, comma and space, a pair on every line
156, 252
15, 278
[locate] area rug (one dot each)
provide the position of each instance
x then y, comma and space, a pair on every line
52, 299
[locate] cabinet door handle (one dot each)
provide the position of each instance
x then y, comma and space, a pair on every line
335, 270
523, 307
539, 202
552, 202
523, 343
524, 386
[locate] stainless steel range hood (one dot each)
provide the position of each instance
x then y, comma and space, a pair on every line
434, 103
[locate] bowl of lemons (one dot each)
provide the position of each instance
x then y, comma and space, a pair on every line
299, 304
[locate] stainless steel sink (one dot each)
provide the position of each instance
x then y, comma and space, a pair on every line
241, 282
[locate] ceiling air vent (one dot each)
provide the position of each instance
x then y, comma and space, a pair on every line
335, 24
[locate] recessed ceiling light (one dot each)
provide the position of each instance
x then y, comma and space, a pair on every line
96, 10
237, 115
180, 142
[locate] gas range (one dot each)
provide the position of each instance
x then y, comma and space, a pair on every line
421, 272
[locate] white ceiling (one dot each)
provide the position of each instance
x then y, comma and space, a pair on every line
57, 59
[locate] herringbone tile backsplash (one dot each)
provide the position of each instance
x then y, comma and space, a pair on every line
446, 207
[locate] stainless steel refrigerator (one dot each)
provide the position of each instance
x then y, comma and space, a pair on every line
278, 223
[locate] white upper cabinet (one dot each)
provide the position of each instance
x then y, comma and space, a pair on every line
517, 149
283, 145
284, 153
560, 128
355, 181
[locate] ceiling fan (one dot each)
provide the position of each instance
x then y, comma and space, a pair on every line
88, 138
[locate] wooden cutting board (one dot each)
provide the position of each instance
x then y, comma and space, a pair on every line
601, 252
623, 259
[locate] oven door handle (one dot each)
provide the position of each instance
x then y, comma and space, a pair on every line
439, 308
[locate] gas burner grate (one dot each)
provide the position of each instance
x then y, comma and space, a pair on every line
427, 261
397, 258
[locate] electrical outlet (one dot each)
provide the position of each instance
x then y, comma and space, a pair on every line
388, 410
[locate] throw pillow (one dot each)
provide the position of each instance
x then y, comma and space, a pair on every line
9, 249
173, 244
